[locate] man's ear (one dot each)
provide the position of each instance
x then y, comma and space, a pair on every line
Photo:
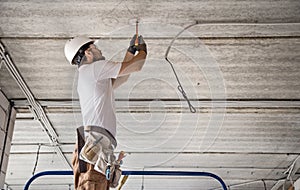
88, 54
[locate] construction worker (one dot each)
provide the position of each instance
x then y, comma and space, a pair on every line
97, 79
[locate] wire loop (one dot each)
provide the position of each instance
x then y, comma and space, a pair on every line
180, 88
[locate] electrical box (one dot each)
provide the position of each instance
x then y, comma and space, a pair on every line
7, 121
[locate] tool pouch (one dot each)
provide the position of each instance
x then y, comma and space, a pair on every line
115, 176
85, 177
85, 173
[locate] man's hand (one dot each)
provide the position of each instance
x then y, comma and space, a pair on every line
132, 48
141, 45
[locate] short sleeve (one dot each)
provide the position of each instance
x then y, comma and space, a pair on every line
106, 69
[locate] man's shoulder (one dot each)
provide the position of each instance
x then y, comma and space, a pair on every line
93, 65
100, 61
104, 64
104, 61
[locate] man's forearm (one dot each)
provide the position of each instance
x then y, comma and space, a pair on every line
119, 81
128, 56
122, 79
134, 64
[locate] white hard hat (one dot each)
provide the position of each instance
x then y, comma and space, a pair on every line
73, 45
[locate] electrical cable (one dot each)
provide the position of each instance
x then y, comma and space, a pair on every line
143, 180
180, 88
243, 183
36, 159
264, 184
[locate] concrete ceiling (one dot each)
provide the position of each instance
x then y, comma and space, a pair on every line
239, 66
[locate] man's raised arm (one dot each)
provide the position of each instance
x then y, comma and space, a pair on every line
132, 63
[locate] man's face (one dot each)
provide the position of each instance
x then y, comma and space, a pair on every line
97, 54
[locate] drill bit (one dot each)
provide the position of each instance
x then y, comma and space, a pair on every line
136, 43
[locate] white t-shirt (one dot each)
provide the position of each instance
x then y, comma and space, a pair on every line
96, 94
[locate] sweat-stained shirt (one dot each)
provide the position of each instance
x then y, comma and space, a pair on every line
96, 94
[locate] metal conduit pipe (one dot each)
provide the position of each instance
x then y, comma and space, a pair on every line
35, 106
163, 173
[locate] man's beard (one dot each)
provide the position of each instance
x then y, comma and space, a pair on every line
97, 58
102, 57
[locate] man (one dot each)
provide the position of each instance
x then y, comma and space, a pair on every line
96, 81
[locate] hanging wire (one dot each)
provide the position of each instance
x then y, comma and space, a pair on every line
132, 14
264, 184
36, 159
180, 88
143, 180
242, 184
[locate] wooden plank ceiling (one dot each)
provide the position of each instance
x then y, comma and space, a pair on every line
240, 66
